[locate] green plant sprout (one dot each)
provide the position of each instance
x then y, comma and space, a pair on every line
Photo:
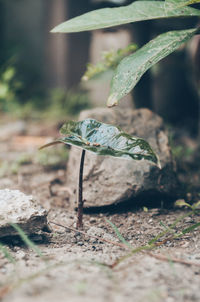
6, 253
26, 240
102, 139
154, 243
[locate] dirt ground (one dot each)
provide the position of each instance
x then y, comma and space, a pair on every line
77, 267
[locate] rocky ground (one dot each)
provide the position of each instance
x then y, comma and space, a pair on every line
76, 266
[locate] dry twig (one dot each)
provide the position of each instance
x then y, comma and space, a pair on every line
173, 259
93, 236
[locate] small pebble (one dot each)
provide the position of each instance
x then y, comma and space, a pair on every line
20, 255
92, 220
80, 243
3, 270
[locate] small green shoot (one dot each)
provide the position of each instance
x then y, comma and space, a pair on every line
187, 230
182, 203
170, 228
166, 227
119, 235
196, 205
6, 253
27, 241
152, 244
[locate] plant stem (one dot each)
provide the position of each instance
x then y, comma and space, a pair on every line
79, 224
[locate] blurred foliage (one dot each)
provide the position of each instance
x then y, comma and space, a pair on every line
57, 103
12, 167
61, 103
110, 60
9, 86
20, 97
53, 158
9, 168
180, 151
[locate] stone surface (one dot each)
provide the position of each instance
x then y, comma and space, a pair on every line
21, 209
109, 180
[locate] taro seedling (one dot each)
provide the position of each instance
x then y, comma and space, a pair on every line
102, 139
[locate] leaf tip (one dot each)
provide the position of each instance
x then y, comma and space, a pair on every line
112, 100
158, 163
50, 144
84, 78
54, 30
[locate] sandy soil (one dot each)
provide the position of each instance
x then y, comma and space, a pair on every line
76, 266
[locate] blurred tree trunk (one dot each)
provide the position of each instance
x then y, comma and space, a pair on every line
79, 43
23, 28
56, 51
2, 30
67, 54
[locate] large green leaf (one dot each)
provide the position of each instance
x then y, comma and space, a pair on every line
105, 139
182, 3
131, 68
137, 11
177, 1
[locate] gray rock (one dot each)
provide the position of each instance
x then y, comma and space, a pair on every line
18, 208
109, 180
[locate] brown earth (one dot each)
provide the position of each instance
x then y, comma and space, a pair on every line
77, 266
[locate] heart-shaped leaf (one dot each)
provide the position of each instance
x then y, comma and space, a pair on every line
105, 139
